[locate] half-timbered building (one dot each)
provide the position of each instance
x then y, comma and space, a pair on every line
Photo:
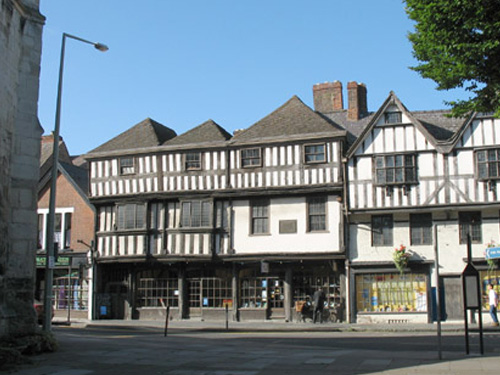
418, 183
205, 220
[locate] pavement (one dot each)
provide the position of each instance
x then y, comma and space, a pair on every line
202, 347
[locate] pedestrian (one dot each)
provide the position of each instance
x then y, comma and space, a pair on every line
319, 303
493, 300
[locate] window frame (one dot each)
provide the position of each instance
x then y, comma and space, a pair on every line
205, 214
265, 204
418, 228
464, 218
487, 163
244, 158
192, 165
387, 231
394, 168
122, 225
122, 167
315, 154
311, 215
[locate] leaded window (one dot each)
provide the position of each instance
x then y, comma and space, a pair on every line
314, 153
396, 169
393, 118
382, 230
488, 164
260, 216
131, 216
251, 157
316, 214
421, 229
127, 166
193, 161
470, 223
196, 214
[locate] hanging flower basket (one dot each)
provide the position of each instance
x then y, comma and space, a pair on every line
401, 257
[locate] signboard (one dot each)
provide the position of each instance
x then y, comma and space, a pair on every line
264, 267
61, 261
470, 280
492, 253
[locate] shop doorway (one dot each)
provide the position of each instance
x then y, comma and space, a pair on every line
276, 298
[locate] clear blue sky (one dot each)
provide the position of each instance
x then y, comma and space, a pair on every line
184, 62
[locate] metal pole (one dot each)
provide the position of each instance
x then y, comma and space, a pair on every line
49, 237
438, 294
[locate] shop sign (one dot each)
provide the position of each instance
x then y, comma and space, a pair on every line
492, 253
41, 261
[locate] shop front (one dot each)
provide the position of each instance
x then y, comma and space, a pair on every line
70, 289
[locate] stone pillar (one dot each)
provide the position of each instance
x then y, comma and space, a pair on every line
288, 294
183, 297
20, 50
235, 282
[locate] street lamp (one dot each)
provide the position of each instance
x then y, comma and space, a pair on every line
49, 238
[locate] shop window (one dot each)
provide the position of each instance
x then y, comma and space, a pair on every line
127, 166
470, 223
304, 286
488, 164
253, 292
195, 214
259, 216
382, 230
251, 157
421, 229
193, 161
41, 236
489, 277
399, 169
70, 291
391, 293
131, 216
314, 153
316, 214
210, 292
158, 292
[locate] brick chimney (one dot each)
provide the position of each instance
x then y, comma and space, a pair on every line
356, 97
328, 97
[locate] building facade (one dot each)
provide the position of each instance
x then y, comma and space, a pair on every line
205, 220
20, 49
419, 183
73, 233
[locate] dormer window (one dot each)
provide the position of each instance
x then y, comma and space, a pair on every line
399, 169
251, 157
393, 118
193, 161
127, 166
488, 164
314, 153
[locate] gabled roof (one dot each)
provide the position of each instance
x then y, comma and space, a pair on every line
436, 126
207, 134
293, 119
147, 133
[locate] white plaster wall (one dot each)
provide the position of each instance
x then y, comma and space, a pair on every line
286, 209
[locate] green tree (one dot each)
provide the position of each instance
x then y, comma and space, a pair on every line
457, 43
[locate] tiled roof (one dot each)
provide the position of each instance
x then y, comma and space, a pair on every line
208, 133
293, 118
79, 175
147, 133
439, 124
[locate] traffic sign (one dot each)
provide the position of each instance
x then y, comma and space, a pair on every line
492, 253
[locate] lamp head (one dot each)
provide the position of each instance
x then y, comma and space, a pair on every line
101, 47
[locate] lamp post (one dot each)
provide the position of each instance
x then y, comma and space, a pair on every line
49, 237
